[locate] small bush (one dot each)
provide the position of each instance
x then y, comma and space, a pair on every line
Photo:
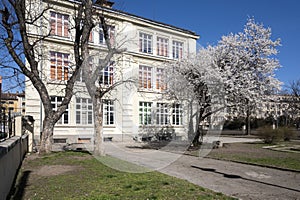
270, 135
287, 133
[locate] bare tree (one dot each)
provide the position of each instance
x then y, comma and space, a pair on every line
17, 17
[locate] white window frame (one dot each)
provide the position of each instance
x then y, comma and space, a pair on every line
177, 115
145, 77
108, 112
65, 22
145, 43
162, 114
162, 48
111, 35
64, 66
107, 76
145, 113
55, 102
177, 49
160, 83
84, 111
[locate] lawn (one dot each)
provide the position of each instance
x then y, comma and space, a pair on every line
256, 154
77, 175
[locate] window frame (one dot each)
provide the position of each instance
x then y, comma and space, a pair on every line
177, 115
111, 34
162, 46
177, 49
55, 102
108, 112
59, 74
162, 114
83, 107
107, 76
145, 77
65, 24
145, 113
145, 43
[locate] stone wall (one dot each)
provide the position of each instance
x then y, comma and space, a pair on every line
12, 152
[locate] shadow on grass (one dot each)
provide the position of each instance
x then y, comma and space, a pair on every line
18, 190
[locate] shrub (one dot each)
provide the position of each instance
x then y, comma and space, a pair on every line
287, 133
270, 135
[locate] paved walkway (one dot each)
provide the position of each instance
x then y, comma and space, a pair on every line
233, 179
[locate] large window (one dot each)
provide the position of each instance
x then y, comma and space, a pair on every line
160, 81
177, 114
108, 112
145, 115
145, 77
177, 49
162, 47
84, 111
59, 24
145, 43
162, 114
55, 102
107, 76
59, 69
111, 35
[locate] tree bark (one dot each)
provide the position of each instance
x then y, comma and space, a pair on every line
98, 126
46, 137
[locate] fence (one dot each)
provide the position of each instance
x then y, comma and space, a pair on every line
7, 125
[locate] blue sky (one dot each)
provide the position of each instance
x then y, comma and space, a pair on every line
213, 18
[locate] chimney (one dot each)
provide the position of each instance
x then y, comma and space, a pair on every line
105, 3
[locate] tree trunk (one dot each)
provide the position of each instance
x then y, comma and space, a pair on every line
98, 126
46, 137
248, 122
198, 139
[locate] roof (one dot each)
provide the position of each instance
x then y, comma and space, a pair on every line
154, 22
11, 96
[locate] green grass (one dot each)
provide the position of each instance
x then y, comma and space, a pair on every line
90, 179
255, 154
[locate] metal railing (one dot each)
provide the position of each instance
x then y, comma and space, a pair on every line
7, 125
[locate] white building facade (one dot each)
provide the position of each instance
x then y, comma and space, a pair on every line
130, 107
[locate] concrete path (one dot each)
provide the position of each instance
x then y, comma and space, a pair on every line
233, 179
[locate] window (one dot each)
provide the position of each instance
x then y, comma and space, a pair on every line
177, 114
108, 112
55, 102
162, 47
160, 82
162, 114
145, 43
145, 113
177, 49
59, 24
145, 77
107, 76
59, 69
111, 35
84, 111
91, 37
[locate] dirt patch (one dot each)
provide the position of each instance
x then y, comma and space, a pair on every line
54, 170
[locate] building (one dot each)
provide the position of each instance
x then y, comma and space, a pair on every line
129, 108
13, 103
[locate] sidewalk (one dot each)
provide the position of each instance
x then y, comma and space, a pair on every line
233, 179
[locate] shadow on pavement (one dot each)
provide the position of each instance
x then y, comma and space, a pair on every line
233, 176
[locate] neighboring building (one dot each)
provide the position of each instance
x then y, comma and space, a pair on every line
13, 103
149, 45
